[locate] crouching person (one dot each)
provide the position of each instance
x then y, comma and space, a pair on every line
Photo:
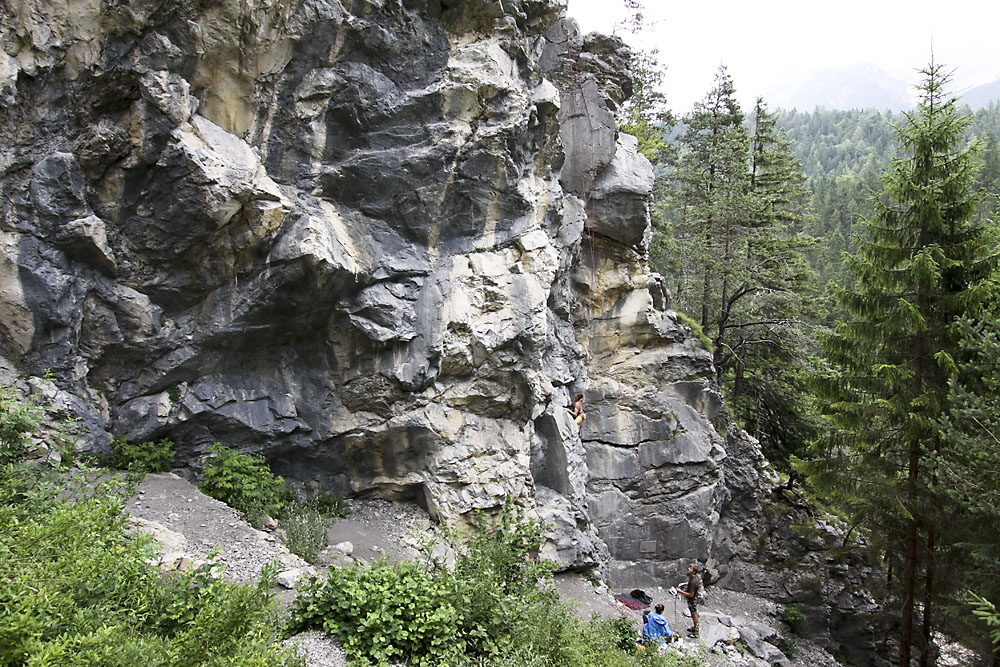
656, 628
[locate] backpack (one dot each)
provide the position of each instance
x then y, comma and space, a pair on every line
641, 596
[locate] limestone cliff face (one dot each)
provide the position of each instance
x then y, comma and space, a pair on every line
381, 242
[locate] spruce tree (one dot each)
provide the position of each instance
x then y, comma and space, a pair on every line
736, 204
707, 199
921, 262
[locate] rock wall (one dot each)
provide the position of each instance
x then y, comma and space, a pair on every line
381, 242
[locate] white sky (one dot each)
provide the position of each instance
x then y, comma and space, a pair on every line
765, 42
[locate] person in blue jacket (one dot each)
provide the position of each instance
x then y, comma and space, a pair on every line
656, 627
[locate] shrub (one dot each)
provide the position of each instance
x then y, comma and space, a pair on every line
792, 616
696, 329
244, 482
401, 612
306, 531
78, 590
489, 611
496, 579
328, 504
19, 418
144, 457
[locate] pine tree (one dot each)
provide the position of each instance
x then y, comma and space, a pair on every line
708, 198
920, 263
645, 114
762, 352
736, 205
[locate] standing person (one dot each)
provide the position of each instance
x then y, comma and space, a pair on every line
656, 627
689, 589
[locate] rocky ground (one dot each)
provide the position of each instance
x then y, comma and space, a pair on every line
741, 630
193, 527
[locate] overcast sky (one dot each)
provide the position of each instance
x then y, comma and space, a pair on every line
766, 42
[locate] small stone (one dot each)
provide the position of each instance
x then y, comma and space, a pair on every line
343, 548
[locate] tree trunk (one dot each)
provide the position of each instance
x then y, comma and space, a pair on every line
910, 568
925, 628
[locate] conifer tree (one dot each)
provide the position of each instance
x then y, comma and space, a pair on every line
736, 205
921, 262
708, 197
762, 352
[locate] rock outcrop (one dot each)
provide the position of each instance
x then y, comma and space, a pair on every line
380, 242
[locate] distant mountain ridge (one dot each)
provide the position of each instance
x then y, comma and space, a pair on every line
981, 96
862, 86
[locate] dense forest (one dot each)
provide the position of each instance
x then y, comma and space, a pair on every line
841, 267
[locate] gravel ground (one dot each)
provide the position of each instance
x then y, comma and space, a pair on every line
208, 527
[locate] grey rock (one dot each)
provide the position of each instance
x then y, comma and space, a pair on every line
713, 633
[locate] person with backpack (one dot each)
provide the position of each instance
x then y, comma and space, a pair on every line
689, 589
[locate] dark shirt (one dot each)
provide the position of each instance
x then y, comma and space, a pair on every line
693, 585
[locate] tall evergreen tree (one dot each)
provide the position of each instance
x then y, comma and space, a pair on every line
762, 351
645, 114
737, 202
921, 262
708, 197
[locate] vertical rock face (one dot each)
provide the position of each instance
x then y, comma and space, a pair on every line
381, 242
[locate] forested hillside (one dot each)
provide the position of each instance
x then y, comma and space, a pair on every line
841, 267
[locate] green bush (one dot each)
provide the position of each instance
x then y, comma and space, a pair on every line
792, 616
244, 482
144, 457
496, 580
77, 589
495, 608
696, 329
401, 612
19, 418
306, 531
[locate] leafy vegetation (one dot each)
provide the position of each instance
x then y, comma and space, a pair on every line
793, 616
19, 417
244, 482
145, 457
77, 589
306, 531
495, 607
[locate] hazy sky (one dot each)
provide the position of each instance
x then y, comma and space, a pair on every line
767, 42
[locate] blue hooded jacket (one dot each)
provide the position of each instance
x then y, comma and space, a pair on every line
656, 628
